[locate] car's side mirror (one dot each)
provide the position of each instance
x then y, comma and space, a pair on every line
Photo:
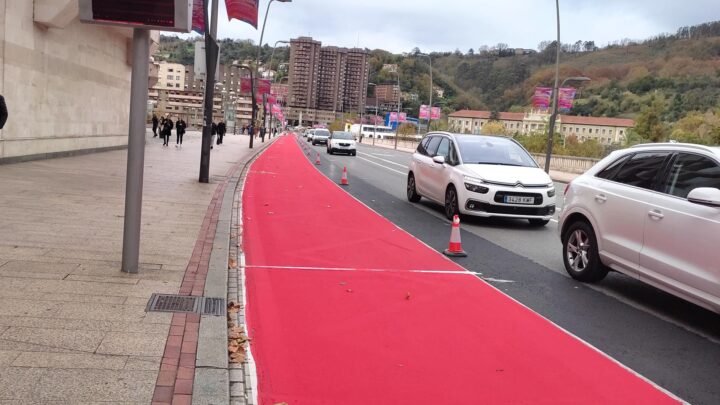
439, 159
705, 196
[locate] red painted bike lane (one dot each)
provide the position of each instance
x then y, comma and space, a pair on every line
346, 308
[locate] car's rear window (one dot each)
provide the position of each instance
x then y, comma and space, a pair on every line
322, 132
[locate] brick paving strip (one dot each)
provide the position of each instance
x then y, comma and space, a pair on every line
195, 365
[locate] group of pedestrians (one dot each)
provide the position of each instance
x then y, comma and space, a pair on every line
163, 127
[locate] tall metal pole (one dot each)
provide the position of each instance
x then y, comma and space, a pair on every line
431, 91
397, 122
553, 116
136, 151
211, 59
257, 66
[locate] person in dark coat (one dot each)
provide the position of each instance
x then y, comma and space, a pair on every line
221, 130
262, 133
251, 130
167, 131
155, 123
180, 126
3, 112
213, 133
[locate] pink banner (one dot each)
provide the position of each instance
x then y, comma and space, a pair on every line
542, 97
435, 113
393, 116
403, 117
566, 98
263, 86
276, 109
243, 10
424, 112
198, 17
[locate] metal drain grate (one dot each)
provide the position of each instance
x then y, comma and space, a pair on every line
186, 304
214, 306
173, 303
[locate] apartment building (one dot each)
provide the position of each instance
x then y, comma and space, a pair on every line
304, 70
328, 79
171, 76
602, 129
331, 83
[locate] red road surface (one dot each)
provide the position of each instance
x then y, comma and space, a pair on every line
321, 335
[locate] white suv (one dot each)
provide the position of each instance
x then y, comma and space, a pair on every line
480, 175
653, 213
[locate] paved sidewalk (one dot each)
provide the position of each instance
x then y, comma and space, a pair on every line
73, 328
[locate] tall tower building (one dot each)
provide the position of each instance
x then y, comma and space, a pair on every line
304, 72
356, 80
331, 78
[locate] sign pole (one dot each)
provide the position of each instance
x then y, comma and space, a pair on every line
136, 151
211, 60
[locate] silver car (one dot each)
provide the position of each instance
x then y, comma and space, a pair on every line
651, 212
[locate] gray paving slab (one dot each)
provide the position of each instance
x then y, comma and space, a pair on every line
211, 387
133, 344
69, 361
212, 342
83, 341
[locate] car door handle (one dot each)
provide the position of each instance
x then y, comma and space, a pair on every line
655, 214
600, 198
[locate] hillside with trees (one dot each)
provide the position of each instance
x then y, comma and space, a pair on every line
669, 84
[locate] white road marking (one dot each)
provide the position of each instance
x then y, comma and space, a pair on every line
383, 166
496, 280
384, 160
367, 270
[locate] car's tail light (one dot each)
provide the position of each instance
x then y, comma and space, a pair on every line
567, 188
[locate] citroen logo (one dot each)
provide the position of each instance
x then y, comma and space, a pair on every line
518, 185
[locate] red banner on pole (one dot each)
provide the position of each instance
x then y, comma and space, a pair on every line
435, 113
198, 17
424, 112
542, 97
566, 96
243, 10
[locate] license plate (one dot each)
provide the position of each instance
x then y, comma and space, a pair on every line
511, 199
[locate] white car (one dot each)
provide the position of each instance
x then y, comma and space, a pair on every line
319, 136
308, 135
341, 142
653, 213
486, 176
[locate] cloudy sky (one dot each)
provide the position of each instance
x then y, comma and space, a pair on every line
444, 25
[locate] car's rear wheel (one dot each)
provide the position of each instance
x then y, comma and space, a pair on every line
451, 202
538, 222
412, 194
354, 153
580, 253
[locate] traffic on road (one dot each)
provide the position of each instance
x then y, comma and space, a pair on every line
661, 335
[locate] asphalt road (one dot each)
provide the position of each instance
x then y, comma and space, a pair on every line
669, 341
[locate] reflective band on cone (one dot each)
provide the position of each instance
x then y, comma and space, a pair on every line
344, 179
317, 159
455, 247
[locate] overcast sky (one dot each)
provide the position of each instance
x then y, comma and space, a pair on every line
401, 25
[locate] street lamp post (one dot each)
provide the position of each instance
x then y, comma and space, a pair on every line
431, 91
257, 60
397, 122
553, 117
376, 113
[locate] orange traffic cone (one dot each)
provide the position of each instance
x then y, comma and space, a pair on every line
317, 159
344, 179
455, 247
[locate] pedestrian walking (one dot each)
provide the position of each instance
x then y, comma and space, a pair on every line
180, 126
213, 134
167, 131
251, 130
262, 133
244, 129
221, 130
3, 112
155, 123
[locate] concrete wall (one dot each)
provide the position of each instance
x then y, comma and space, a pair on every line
67, 89
567, 164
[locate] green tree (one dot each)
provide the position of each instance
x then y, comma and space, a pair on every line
649, 123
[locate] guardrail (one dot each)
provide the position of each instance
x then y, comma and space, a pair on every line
567, 164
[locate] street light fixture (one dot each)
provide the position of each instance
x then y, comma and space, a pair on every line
376, 114
431, 90
553, 116
257, 62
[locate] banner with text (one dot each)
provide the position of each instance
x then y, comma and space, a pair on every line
542, 97
424, 112
566, 98
435, 113
198, 17
243, 10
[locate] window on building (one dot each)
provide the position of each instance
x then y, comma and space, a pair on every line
621, 132
177, 77
603, 132
177, 85
170, 77
170, 70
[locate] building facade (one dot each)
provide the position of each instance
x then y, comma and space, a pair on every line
604, 130
324, 81
66, 84
171, 76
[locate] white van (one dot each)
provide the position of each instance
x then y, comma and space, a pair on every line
371, 131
